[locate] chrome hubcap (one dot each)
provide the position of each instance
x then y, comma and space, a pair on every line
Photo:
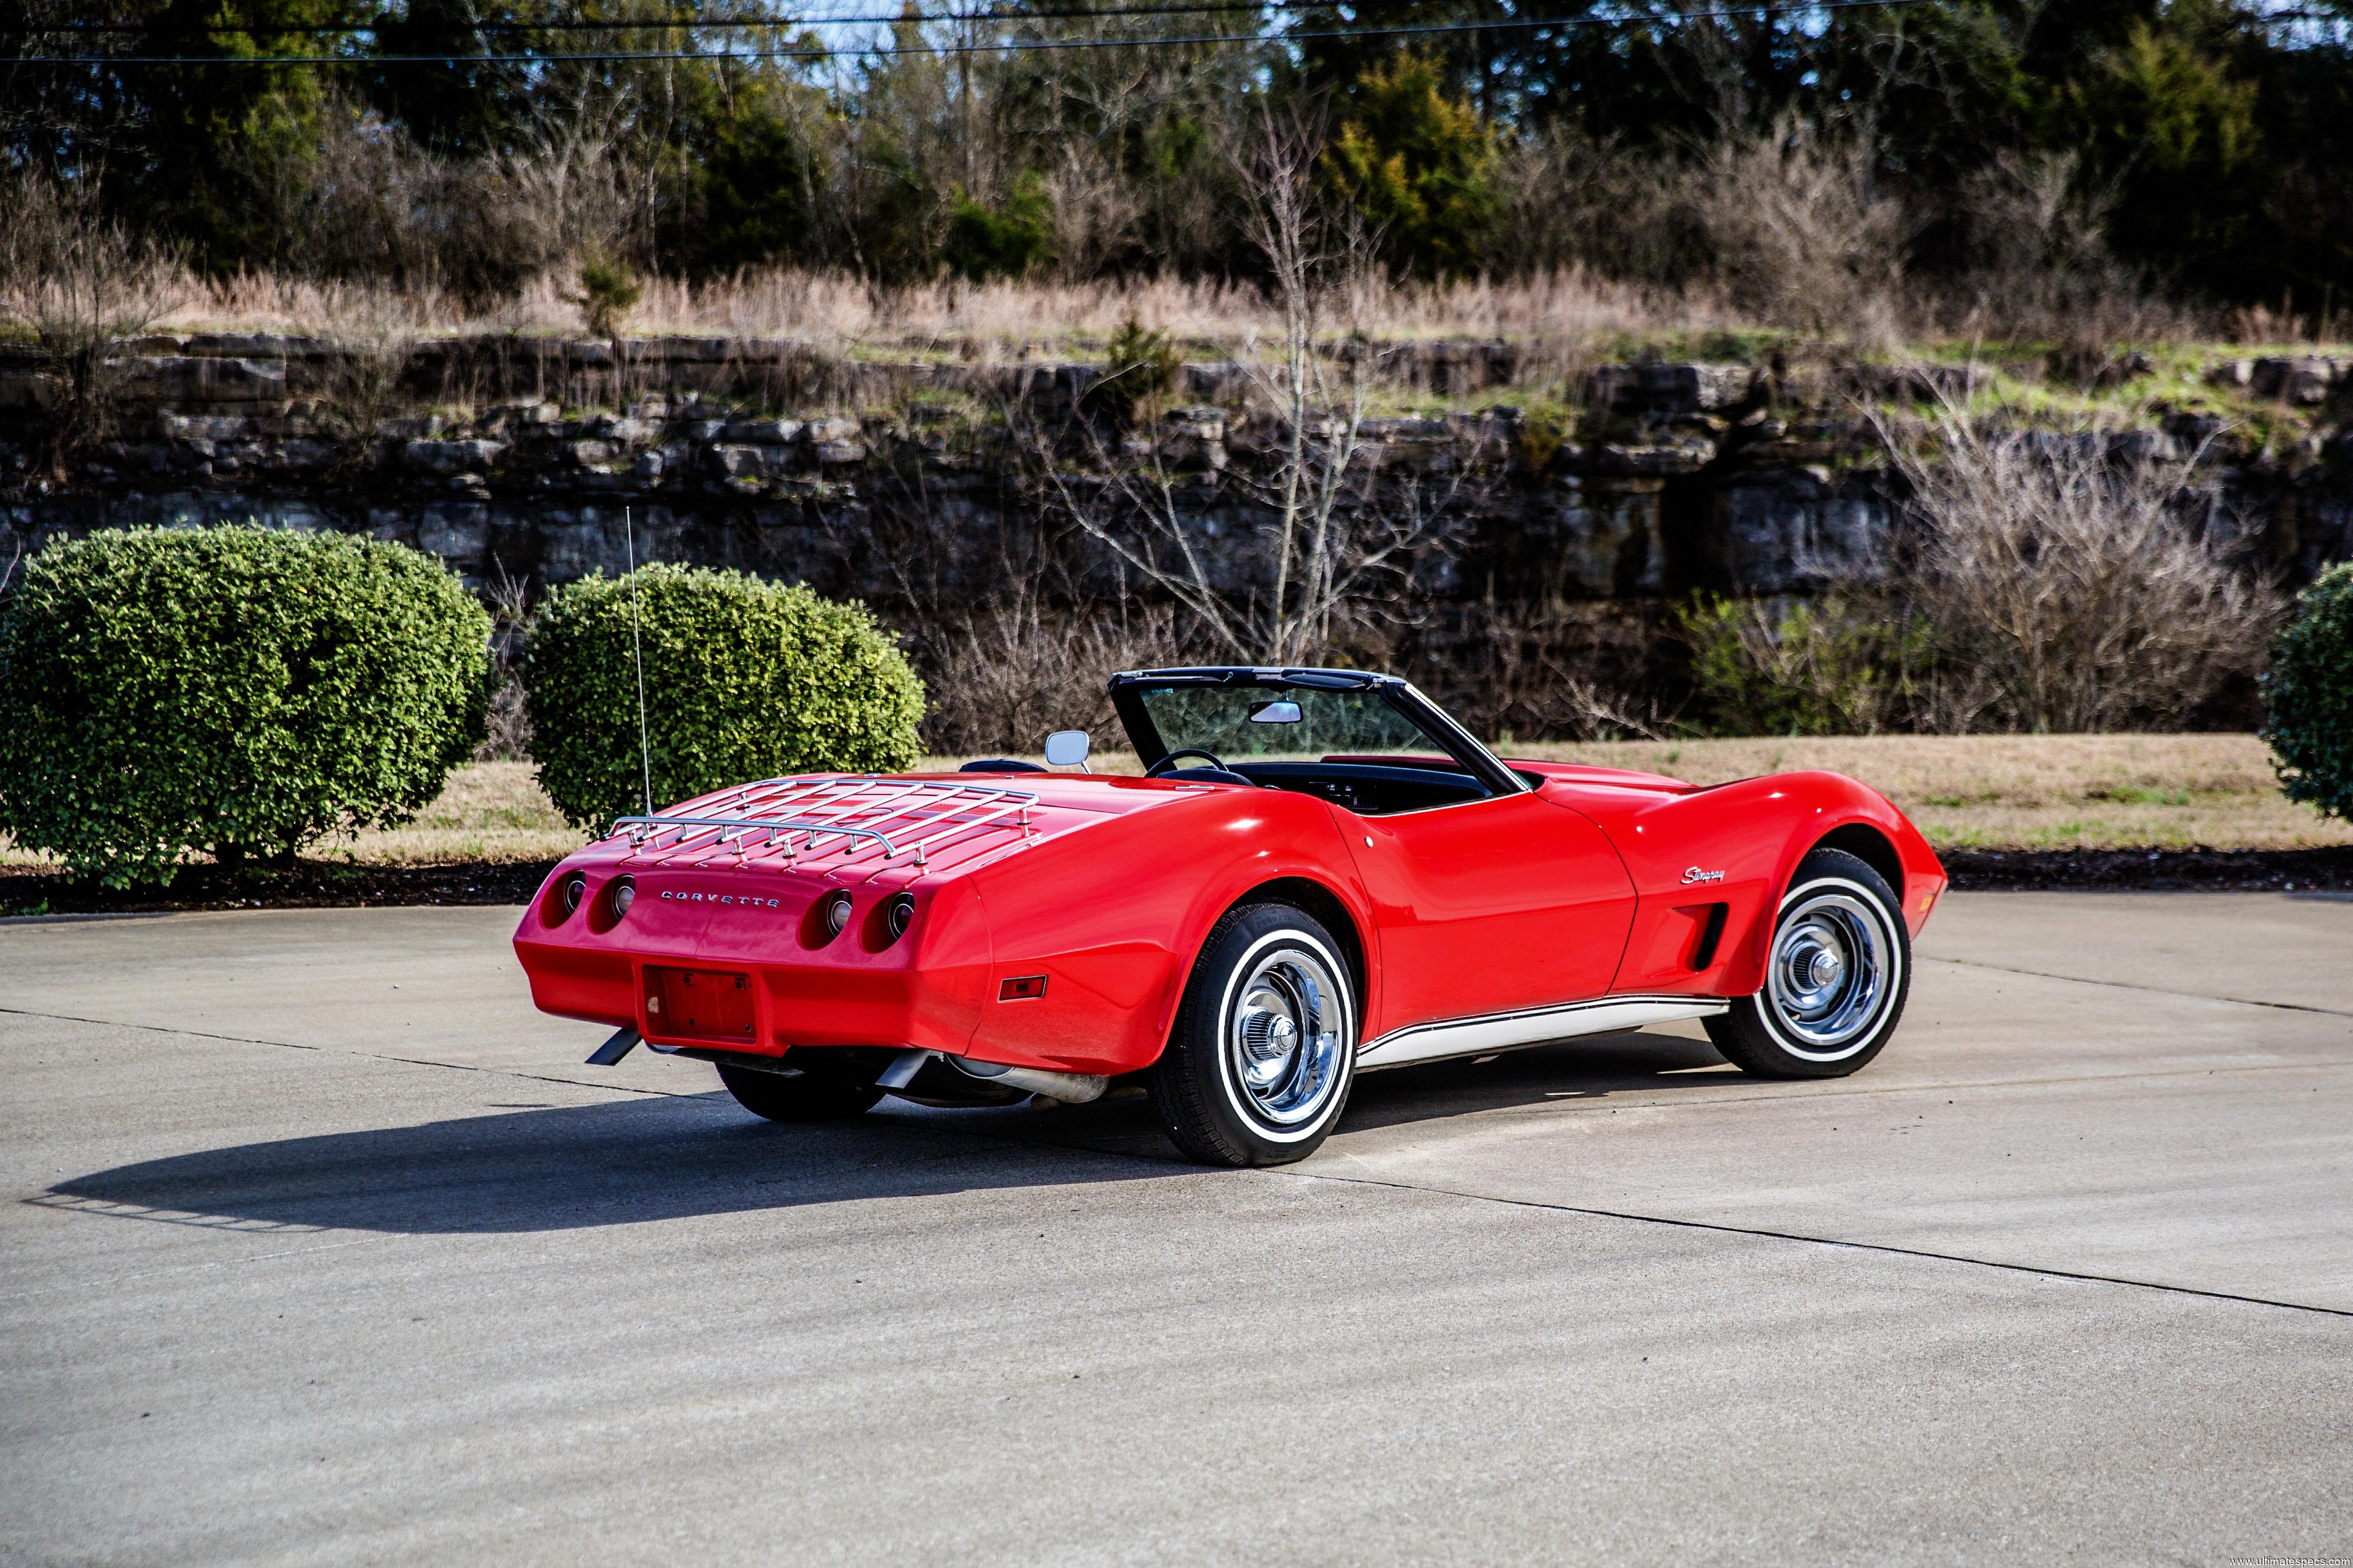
1828, 980
1285, 1034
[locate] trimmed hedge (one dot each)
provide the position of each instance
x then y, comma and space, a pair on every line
2309, 692
744, 679
238, 690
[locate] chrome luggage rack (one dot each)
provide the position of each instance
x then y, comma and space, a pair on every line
812, 818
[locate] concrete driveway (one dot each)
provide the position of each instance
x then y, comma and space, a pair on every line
319, 1245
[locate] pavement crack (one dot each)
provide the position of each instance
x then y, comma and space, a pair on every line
2150, 990
1889, 1248
347, 1051
1717, 1227
1653, 1098
1627, 1217
208, 1265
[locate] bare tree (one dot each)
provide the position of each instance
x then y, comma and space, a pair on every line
1799, 232
1007, 675
2073, 580
1551, 671
82, 284
1328, 523
359, 388
507, 729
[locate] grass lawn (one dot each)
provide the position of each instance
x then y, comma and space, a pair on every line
1994, 792
2024, 792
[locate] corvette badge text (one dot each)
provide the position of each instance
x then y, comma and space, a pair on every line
720, 899
1691, 876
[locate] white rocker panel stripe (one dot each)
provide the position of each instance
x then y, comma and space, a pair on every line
1530, 1026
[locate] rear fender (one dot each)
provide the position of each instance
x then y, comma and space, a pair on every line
1114, 918
1247, 877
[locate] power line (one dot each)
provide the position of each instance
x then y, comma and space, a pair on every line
1004, 46
706, 25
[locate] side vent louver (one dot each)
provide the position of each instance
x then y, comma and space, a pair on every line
1711, 933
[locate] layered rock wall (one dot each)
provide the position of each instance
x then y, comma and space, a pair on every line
515, 458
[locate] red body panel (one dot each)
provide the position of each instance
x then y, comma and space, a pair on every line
1599, 881
1737, 844
1489, 907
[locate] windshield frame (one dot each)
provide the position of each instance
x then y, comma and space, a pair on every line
1434, 722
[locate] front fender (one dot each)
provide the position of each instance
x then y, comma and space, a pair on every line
1830, 802
1740, 843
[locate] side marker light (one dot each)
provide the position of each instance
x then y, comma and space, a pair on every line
1023, 988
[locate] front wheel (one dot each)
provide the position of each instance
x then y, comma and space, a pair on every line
1834, 983
810, 1095
1259, 1067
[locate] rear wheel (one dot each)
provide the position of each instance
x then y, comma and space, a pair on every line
1259, 1067
1835, 981
813, 1094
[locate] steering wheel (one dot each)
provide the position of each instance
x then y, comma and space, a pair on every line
1157, 769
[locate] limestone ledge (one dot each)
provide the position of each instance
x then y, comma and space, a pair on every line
1677, 476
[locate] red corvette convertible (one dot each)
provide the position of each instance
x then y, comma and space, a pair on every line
1319, 874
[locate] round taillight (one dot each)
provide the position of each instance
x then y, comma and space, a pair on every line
835, 916
900, 914
623, 894
575, 888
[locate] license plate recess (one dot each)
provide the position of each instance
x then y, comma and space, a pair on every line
699, 1004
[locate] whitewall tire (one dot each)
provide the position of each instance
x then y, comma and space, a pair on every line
1835, 978
1259, 1067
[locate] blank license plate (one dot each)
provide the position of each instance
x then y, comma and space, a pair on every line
706, 1003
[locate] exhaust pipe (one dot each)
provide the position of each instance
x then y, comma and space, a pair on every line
1070, 1088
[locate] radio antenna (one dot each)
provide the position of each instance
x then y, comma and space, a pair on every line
638, 647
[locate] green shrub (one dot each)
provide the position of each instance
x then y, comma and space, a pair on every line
1419, 165
1006, 241
237, 690
1825, 668
1140, 370
1542, 431
744, 679
608, 293
758, 184
2309, 693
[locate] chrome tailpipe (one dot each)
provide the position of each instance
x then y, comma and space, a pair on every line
1070, 1088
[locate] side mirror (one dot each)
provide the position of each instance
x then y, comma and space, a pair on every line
1067, 749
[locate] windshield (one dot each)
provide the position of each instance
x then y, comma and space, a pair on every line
1259, 721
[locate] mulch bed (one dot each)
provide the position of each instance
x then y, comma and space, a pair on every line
307, 884
313, 884
2253, 870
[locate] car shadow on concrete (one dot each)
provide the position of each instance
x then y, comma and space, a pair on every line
627, 1162
566, 1167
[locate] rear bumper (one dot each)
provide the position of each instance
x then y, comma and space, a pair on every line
789, 1004
801, 985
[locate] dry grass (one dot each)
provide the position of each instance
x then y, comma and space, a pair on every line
490, 812
2001, 792
839, 311
2036, 792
